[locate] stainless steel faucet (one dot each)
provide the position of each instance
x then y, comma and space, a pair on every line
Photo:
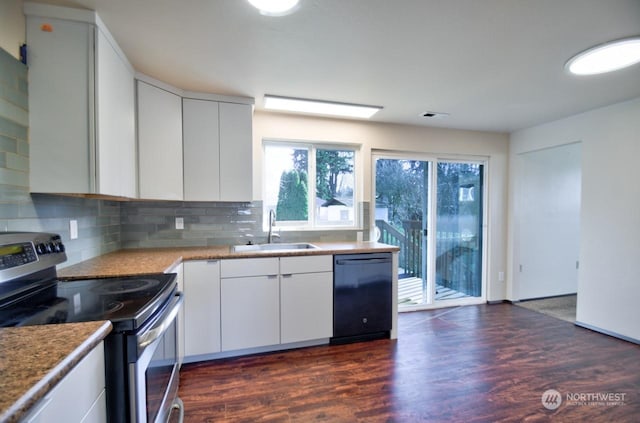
272, 223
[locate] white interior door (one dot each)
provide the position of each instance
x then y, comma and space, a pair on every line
548, 224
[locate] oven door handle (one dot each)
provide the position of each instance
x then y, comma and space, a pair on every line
155, 332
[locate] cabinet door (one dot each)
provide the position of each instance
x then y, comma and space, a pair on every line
79, 396
201, 307
306, 301
201, 150
236, 152
60, 111
159, 143
115, 110
250, 312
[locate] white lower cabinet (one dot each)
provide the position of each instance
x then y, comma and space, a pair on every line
201, 307
241, 304
250, 303
306, 298
78, 397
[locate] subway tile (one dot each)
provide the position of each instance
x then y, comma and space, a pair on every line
13, 112
129, 236
13, 194
23, 88
15, 96
14, 177
12, 129
9, 210
17, 162
8, 144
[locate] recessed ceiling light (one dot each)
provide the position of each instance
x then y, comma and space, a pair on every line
319, 107
275, 7
607, 57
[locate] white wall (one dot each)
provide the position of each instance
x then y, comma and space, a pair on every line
392, 137
546, 212
608, 281
12, 26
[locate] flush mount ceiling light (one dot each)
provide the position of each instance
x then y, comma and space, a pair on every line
274, 7
607, 57
319, 107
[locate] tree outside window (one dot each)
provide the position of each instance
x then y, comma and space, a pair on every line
287, 168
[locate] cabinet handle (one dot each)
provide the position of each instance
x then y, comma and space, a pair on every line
212, 261
272, 276
287, 275
178, 405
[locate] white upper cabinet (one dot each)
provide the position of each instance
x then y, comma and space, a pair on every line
116, 122
201, 150
81, 105
159, 143
236, 152
218, 151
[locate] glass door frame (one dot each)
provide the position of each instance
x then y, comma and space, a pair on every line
430, 260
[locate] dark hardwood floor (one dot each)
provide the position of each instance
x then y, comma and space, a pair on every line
487, 363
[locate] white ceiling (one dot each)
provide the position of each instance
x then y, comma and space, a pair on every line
494, 65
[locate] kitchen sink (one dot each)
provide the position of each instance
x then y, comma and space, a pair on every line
273, 247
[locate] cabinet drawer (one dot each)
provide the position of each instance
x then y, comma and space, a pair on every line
249, 267
306, 264
76, 394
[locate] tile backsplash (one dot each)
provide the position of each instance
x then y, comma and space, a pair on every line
14, 124
98, 220
153, 224
105, 225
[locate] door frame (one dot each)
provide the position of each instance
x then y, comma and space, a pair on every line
430, 261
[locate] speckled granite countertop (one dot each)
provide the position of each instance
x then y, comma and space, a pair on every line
159, 260
34, 358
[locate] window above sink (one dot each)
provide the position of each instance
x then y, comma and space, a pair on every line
311, 186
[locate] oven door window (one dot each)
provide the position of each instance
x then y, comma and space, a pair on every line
159, 371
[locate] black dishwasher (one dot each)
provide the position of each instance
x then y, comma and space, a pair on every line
362, 297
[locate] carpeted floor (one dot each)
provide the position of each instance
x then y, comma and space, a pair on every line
559, 307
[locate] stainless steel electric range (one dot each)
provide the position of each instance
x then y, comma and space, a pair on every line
141, 353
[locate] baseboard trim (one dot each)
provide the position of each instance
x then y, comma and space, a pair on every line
608, 332
493, 302
550, 296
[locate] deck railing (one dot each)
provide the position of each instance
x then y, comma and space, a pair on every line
457, 263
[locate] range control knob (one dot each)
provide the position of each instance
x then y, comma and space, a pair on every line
50, 247
41, 248
60, 247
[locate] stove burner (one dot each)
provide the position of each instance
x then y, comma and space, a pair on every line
125, 286
114, 306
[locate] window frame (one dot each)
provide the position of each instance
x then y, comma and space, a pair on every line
312, 147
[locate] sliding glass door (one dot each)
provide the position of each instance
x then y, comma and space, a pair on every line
433, 210
402, 219
459, 230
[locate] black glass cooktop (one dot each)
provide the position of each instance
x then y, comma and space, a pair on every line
126, 301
